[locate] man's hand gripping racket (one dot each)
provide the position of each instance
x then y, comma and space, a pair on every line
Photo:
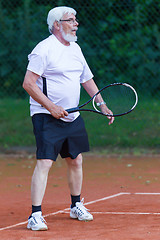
121, 98
107, 112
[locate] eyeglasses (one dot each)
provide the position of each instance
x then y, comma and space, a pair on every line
70, 20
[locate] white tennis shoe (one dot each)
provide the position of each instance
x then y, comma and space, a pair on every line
36, 222
80, 212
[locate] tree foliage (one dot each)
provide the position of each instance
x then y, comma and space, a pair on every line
119, 38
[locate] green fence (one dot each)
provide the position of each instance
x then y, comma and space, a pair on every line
119, 38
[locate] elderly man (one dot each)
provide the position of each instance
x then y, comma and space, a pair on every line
54, 74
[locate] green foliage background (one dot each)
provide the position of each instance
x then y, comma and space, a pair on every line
119, 38
121, 42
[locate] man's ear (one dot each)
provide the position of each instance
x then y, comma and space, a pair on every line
56, 25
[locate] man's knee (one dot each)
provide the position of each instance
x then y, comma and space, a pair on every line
77, 162
44, 164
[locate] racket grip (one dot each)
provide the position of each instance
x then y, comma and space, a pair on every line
71, 110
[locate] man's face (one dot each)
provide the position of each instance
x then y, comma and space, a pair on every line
68, 27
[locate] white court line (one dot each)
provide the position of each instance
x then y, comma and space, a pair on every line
95, 201
22, 223
127, 213
147, 193
63, 211
106, 198
123, 213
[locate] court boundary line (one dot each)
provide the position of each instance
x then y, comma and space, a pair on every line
62, 211
91, 202
123, 213
127, 213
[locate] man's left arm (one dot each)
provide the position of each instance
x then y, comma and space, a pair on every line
91, 88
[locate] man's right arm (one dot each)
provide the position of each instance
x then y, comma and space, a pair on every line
34, 91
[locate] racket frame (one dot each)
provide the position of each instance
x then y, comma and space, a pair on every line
80, 108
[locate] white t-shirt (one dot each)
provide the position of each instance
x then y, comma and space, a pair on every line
64, 68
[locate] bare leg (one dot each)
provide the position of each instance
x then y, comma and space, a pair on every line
39, 181
75, 175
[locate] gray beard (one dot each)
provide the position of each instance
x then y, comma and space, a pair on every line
68, 37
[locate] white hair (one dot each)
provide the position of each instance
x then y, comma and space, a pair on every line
56, 14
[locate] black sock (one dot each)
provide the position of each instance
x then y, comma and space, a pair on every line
36, 208
75, 199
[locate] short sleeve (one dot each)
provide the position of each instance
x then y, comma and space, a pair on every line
86, 74
37, 60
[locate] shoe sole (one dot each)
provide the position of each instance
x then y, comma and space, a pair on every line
85, 220
40, 229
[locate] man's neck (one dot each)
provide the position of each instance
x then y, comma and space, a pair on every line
63, 41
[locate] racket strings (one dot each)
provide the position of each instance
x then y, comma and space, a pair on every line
119, 99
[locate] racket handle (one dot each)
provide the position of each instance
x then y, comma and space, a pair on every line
71, 110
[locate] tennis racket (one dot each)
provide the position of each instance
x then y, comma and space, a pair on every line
120, 98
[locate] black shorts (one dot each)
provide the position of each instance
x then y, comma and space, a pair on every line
54, 136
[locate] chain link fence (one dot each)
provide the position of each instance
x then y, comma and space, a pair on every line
119, 38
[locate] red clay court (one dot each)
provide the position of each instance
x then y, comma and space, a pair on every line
122, 192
